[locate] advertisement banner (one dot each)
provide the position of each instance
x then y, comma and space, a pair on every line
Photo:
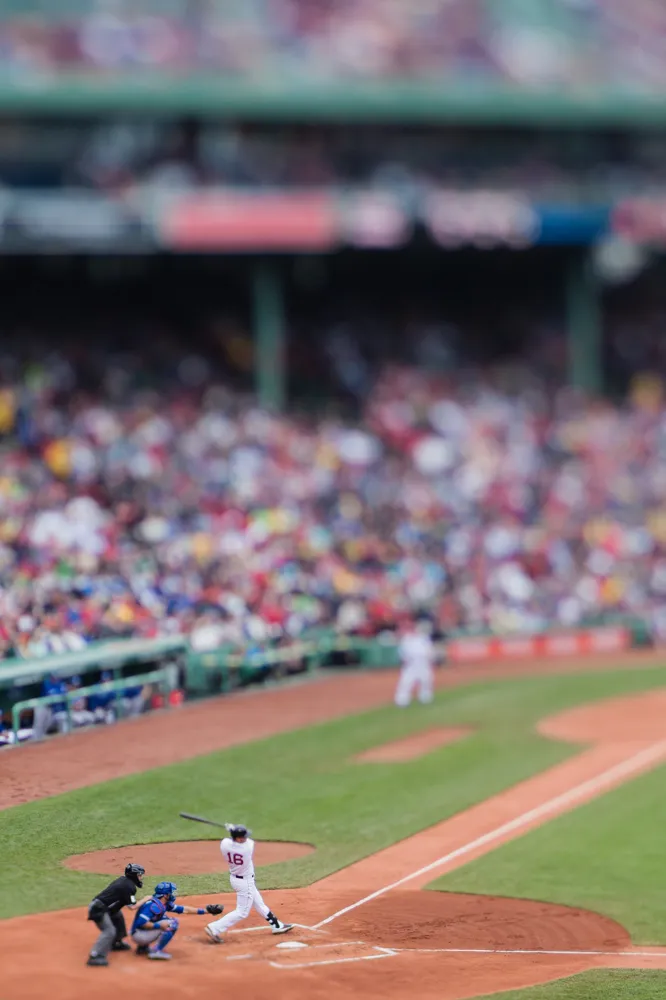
234, 221
571, 225
483, 219
63, 221
641, 220
606, 639
374, 220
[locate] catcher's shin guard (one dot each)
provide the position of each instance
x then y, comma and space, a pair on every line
166, 936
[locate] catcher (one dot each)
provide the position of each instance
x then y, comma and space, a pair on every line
153, 927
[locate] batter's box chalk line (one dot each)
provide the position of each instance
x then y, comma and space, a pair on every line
379, 953
302, 945
267, 930
247, 930
372, 952
318, 947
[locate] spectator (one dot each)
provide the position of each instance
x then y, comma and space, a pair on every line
103, 705
55, 714
7, 735
80, 713
135, 699
576, 46
494, 502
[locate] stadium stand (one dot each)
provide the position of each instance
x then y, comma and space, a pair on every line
319, 313
575, 44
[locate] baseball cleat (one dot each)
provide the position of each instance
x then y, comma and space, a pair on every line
142, 949
215, 938
163, 956
282, 928
97, 960
120, 946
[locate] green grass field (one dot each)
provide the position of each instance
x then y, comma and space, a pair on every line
301, 786
624, 984
606, 856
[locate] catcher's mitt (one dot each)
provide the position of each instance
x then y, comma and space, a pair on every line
214, 909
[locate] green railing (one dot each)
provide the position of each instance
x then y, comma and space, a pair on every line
407, 101
160, 678
209, 672
227, 667
114, 655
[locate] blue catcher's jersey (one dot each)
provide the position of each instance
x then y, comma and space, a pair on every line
151, 912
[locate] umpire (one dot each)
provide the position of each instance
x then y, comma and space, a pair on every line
106, 911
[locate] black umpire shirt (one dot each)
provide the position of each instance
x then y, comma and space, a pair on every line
120, 892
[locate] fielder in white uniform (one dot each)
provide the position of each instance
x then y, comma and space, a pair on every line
238, 852
417, 656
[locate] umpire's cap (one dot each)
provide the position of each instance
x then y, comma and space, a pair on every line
136, 873
237, 831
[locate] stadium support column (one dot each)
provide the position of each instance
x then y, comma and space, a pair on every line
269, 337
584, 325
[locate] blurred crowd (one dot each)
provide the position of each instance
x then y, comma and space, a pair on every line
140, 158
133, 158
574, 44
162, 503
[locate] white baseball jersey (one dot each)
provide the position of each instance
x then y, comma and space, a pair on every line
241, 868
417, 653
238, 856
416, 648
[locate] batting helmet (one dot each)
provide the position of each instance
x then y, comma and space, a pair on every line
136, 873
237, 831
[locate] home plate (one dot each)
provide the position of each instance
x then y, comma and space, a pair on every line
291, 945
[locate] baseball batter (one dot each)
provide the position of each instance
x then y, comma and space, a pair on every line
238, 853
417, 656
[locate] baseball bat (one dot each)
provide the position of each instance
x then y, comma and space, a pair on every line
201, 819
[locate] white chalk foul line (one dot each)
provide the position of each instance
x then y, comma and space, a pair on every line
634, 763
532, 951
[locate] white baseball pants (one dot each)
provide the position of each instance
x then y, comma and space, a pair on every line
247, 896
416, 674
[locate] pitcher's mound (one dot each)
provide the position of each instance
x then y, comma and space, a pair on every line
187, 857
